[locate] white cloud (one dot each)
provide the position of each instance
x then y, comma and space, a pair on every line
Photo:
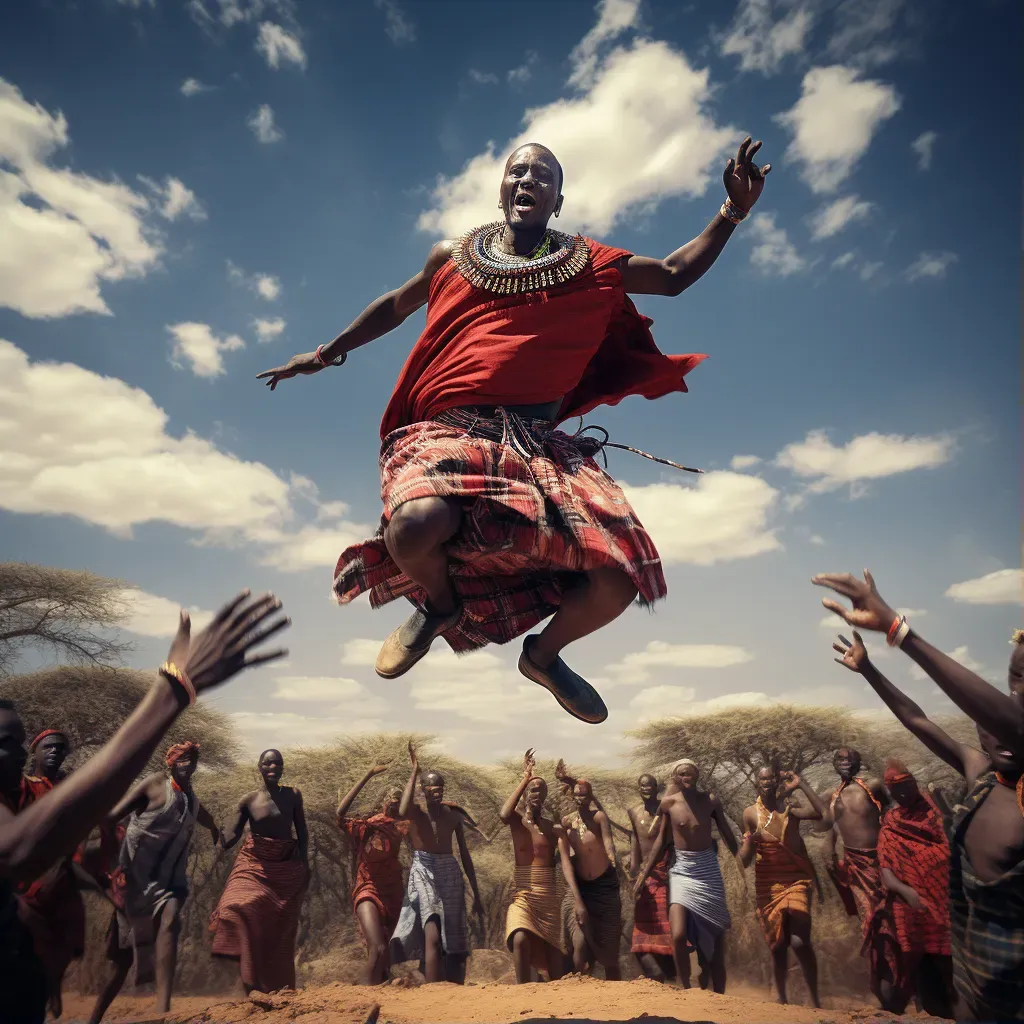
62, 233
361, 652
1004, 586
76, 443
313, 547
869, 268
817, 539
399, 28
773, 253
636, 668
151, 615
832, 218
193, 87
867, 34
740, 462
262, 124
867, 457
287, 730
614, 17
662, 701
931, 264
278, 46
332, 689
843, 261
723, 517
197, 345
266, 286
175, 199
521, 74
268, 329
923, 146
665, 143
833, 122
483, 77
760, 41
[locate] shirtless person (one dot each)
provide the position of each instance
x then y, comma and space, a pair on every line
783, 872
432, 925
534, 932
593, 917
698, 914
257, 916
652, 936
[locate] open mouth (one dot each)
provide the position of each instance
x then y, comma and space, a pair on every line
524, 201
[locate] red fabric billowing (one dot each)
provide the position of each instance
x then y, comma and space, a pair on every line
582, 341
377, 842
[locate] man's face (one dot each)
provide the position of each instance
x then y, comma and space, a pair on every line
530, 188
846, 763
12, 750
271, 766
433, 789
184, 768
582, 794
905, 792
1004, 760
536, 794
50, 755
767, 783
647, 787
1015, 675
686, 777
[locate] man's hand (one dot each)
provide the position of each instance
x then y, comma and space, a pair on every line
528, 764
581, 914
791, 782
854, 656
304, 363
869, 610
744, 180
911, 898
412, 755
379, 769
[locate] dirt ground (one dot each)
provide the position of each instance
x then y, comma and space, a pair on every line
576, 999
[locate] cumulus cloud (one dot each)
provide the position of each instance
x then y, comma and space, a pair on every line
262, 124
175, 199
666, 141
203, 351
762, 36
923, 147
772, 253
741, 462
278, 46
725, 516
268, 329
1004, 586
931, 265
399, 28
867, 457
151, 615
288, 730
833, 123
869, 33
266, 286
62, 233
327, 689
193, 87
80, 444
832, 218
636, 668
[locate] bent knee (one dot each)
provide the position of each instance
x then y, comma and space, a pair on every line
377, 952
421, 524
616, 583
520, 941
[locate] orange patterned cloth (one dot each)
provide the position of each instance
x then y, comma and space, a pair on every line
257, 916
782, 879
377, 842
651, 930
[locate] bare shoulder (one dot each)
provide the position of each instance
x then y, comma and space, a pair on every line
296, 794
248, 799
976, 763
440, 253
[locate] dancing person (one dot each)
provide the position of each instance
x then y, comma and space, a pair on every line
494, 520
432, 925
36, 831
534, 933
652, 936
48, 751
986, 871
377, 888
783, 873
592, 910
913, 853
257, 915
697, 913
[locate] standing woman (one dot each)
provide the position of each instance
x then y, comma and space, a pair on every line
377, 888
257, 916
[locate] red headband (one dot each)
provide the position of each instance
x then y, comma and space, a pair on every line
42, 736
179, 751
894, 774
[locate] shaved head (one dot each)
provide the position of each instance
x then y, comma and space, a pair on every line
538, 148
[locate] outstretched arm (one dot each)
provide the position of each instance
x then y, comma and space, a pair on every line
205, 818
134, 801
228, 839
508, 811
406, 804
350, 796
817, 811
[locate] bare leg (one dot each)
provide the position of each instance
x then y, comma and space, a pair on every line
455, 969
605, 595
168, 929
612, 972
780, 968
556, 962
580, 953
800, 929
433, 960
677, 922
376, 945
521, 955
655, 967
717, 966
415, 539
117, 973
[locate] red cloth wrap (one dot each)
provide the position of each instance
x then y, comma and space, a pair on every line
377, 842
257, 916
651, 930
582, 341
42, 736
179, 750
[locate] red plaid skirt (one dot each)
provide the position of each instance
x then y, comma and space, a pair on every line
538, 513
651, 930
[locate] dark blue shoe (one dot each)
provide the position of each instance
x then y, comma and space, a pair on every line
571, 691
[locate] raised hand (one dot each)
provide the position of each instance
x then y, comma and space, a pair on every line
528, 764
854, 656
869, 610
412, 755
225, 647
304, 363
790, 782
744, 180
381, 768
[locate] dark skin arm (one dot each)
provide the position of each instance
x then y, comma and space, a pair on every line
728, 837
657, 849
228, 839
134, 801
642, 275
747, 847
350, 797
407, 803
565, 857
54, 825
467, 866
600, 818
204, 818
301, 832
634, 847
508, 810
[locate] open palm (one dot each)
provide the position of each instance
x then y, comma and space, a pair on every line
744, 179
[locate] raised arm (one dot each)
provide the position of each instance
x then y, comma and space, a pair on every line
995, 712
816, 811
228, 839
54, 825
744, 180
508, 810
407, 803
349, 799
134, 801
379, 318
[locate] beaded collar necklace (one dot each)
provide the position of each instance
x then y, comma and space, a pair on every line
484, 264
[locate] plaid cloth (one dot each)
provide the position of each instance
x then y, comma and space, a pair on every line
986, 924
538, 513
695, 882
782, 879
651, 931
435, 889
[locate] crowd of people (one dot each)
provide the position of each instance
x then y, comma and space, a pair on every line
938, 889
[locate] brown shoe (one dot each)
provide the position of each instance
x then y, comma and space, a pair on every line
396, 658
572, 691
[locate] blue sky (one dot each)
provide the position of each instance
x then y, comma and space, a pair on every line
190, 192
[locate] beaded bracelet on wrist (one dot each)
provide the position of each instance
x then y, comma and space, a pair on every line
731, 212
179, 677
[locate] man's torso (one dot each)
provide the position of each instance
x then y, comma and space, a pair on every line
272, 815
690, 820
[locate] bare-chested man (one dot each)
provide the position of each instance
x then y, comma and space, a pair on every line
783, 872
257, 916
652, 936
698, 914
534, 932
432, 925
